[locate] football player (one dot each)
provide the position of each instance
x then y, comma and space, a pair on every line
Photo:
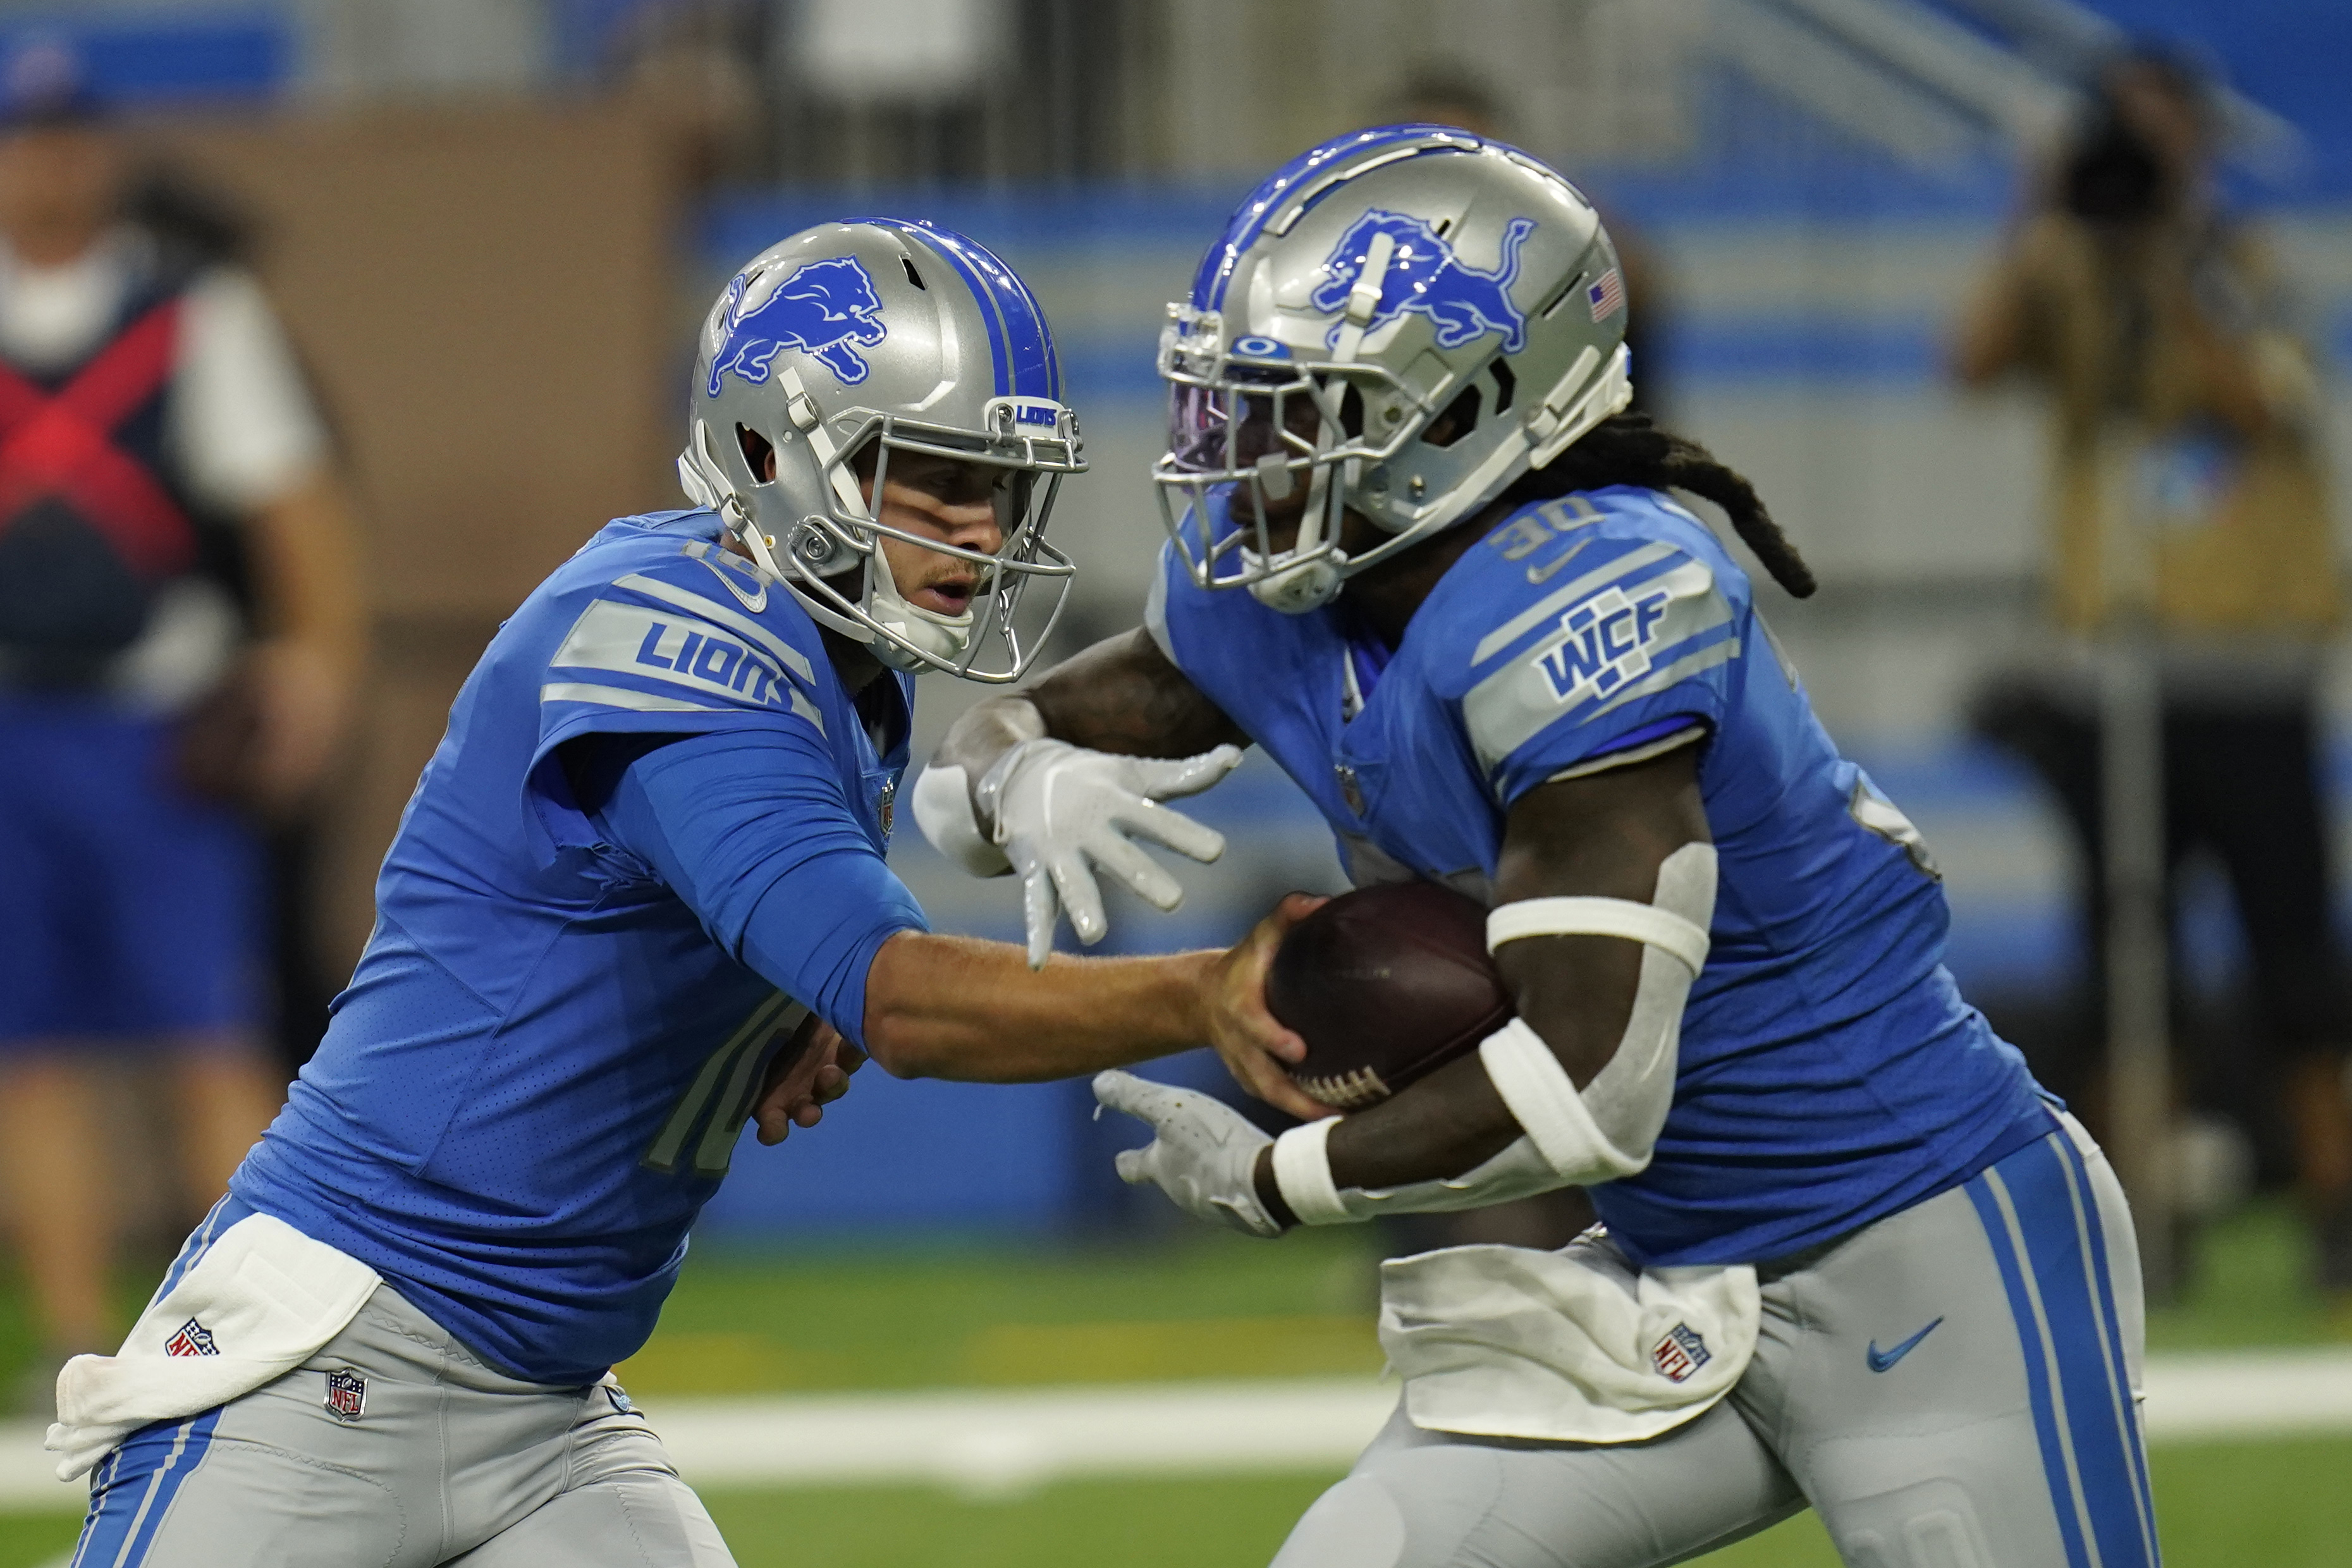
1852, 1259
639, 896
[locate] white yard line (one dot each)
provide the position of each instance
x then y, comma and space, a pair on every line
1001, 1441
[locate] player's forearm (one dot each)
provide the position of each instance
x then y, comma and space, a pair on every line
1605, 839
958, 1008
1449, 1123
1123, 695
986, 732
1577, 999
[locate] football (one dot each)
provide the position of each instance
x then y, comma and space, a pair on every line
1386, 984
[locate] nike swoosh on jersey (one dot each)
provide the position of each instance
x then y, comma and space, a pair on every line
1880, 1361
1543, 573
756, 604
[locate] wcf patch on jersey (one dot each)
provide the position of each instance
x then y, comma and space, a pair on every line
1608, 642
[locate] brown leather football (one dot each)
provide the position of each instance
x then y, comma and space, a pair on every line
1386, 984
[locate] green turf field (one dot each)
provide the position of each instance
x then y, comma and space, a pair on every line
1210, 1305
2253, 1505
1204, 1304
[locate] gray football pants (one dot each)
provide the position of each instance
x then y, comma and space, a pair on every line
1949, 1387
439, 1461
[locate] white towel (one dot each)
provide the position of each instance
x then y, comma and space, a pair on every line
259, 1303
1571, 1346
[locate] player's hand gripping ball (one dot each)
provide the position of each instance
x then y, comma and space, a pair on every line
1386, 984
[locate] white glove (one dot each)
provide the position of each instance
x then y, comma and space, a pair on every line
1055, 807
1203, 1154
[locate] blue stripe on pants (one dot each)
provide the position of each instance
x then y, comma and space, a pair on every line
2110, 1333
2039, 1213
133, 1488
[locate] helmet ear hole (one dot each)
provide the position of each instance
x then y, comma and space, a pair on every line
1461, 417
759, 453
1505, 384
1351, 411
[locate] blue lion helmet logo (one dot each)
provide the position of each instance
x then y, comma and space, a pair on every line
1424, 275
827, 309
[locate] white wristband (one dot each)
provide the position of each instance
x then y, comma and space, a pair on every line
943, 811
1302, 1174
1549, 1109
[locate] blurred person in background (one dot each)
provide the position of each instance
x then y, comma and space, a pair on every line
2186, 479
180, 634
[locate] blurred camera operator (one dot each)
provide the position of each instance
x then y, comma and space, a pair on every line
180, 637
2187, 490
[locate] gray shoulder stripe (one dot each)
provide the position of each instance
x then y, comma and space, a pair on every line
1549, 606
620, 697
1659, 679
1627, 758
733, 620
646, 702
1622, 646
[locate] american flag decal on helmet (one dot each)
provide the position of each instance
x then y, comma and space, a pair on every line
1607, 295
192, 1339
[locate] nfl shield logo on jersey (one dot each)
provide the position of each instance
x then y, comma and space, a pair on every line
1680, 1353
346, 1395
192, 1339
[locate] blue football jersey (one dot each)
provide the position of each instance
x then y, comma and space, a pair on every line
1830, 1073
541, 1066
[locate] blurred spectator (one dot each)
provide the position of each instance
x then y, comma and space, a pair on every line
690, 65
179, 635
2187, 489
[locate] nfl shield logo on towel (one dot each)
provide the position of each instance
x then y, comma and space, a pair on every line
192, 1339
1680, 1353
346, 1395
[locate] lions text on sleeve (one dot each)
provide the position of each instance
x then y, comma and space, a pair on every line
1830, 1073
541, 1066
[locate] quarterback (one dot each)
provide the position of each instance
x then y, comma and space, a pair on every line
638, 898
1851, 1258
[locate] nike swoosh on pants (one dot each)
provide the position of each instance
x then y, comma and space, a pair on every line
1881, 1359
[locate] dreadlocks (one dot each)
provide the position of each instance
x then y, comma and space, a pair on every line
1628, 449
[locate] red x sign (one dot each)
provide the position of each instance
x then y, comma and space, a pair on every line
62, 444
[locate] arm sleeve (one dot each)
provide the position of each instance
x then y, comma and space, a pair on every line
1635, 658
752, 829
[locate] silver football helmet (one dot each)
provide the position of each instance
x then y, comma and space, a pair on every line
1382, 280
897, 337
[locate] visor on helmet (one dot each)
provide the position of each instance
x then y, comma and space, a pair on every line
1277, 439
